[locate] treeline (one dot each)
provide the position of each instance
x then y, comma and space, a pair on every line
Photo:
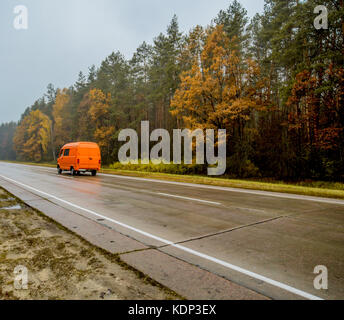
276, 83
7, 131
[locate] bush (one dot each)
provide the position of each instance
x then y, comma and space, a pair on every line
246, 169
238, 168
162, 168
250, 170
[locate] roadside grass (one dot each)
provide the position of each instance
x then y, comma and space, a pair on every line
337, 192
37, 164
308, 188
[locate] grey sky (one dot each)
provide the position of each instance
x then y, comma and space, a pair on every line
66, 36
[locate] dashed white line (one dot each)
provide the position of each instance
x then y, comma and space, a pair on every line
187, 198
180, 247
237, 190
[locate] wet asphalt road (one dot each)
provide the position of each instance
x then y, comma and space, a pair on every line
280, 238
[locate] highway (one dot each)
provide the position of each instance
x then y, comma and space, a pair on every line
267, 242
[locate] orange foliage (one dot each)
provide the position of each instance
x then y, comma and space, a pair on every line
220, 87
313, 114
61, 118
100, 113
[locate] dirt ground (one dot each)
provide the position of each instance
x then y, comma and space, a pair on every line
60, 264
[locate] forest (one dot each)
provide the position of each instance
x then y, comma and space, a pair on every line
274, 82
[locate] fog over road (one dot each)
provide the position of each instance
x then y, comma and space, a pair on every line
267, 242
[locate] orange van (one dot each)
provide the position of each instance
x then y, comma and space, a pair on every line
79, 157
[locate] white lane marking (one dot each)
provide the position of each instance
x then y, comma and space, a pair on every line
185, 249
187, 198
202, 186
238, 190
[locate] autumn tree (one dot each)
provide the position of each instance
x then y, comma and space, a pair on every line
100, 114
32, 137
220, 91
62, 121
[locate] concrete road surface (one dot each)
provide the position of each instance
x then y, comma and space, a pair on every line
267, 242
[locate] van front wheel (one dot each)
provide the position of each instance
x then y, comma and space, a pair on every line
94, 173
72, 172
59, 170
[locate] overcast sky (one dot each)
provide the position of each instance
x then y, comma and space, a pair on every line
67, 36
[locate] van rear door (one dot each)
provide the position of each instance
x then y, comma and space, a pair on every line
89, 157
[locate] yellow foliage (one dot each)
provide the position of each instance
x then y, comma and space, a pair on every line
100, 105
99, 112
32, 136
60, 115
220, 86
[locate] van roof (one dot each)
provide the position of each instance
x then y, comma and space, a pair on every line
79, 144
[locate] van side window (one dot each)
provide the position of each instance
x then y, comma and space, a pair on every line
66, 153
